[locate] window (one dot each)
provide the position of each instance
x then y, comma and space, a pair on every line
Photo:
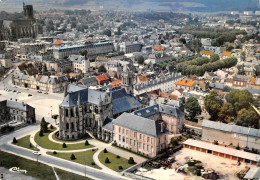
148, 139
119, 129
123, 138
151, 140
143, 146
126, 132
119, 137
13, 111
147, 148
151, 148
140, 136
134, 142
140, 145
134, 134
126, 140
131, 141
123, 131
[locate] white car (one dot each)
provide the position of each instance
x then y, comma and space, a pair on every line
37, 153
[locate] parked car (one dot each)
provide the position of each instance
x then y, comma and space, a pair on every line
29, 95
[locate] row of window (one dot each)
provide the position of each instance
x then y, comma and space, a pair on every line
125, 131
141, 146
17, 112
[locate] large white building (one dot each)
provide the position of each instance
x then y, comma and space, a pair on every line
79, 63
165, 84
92, 48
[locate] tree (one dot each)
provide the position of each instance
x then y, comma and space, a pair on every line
131, 160
140, 59
54, 152
107, 160
229, 48
86, 143
68, 69
51, 127
247, 118
14, 140
192, 107
55, 117
243, 56
107, 32
30, 145
44, 125
240, 99
105, 150
120, 167
214, 57
213, 104
226, 112
72, 157
41, 133
49, 26
84, 53
102, 69
64, 145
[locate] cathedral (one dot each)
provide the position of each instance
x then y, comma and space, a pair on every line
27, 27
84, 109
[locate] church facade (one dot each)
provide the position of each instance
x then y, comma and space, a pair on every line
27, 27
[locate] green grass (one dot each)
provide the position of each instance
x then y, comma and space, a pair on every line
114, 162
65, 175
54, 137
85, 157
25, 142
44, 142
33, 168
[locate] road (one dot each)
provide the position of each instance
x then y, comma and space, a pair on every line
45, 105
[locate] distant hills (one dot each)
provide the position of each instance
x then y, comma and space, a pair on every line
161, 5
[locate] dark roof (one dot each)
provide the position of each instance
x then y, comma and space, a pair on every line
123, 102
108, 124
140, 124
159, 109
17, 105
231, 128
86, 96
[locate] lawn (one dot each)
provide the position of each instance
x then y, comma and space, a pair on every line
44, 142
85, 157
35, 169
25, 142
54, 137
114, 161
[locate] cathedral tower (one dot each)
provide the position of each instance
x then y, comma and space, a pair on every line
28, 11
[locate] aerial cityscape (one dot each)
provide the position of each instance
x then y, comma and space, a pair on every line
140, 89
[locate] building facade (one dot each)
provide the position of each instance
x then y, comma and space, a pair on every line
12, 110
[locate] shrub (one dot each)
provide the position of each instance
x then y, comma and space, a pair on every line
14, 140
41, 133
64, 145
93, 164
54, 152
105, 150
93, 149
51, 127
30, 145
120, 167
131, 160
107, 160
86, 143
72, 157
117, 157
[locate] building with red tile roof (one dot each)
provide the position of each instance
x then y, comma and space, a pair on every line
102, 79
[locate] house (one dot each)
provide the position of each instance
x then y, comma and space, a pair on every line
226, 54
102, 79
207, 53
240, 81
116, 83
79, 63
230, 134
12, 110
185, 84
88, 81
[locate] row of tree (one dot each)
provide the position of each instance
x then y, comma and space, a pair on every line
200, 65
236, 109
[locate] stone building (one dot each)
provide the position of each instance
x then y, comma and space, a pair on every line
12, 110
20, 28
229, 134
84, 109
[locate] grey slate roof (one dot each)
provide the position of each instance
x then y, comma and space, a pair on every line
17, 105
219, 86
123, 102
231, 128
108, 124
159, 109
86, 96
140, 124
252, 90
